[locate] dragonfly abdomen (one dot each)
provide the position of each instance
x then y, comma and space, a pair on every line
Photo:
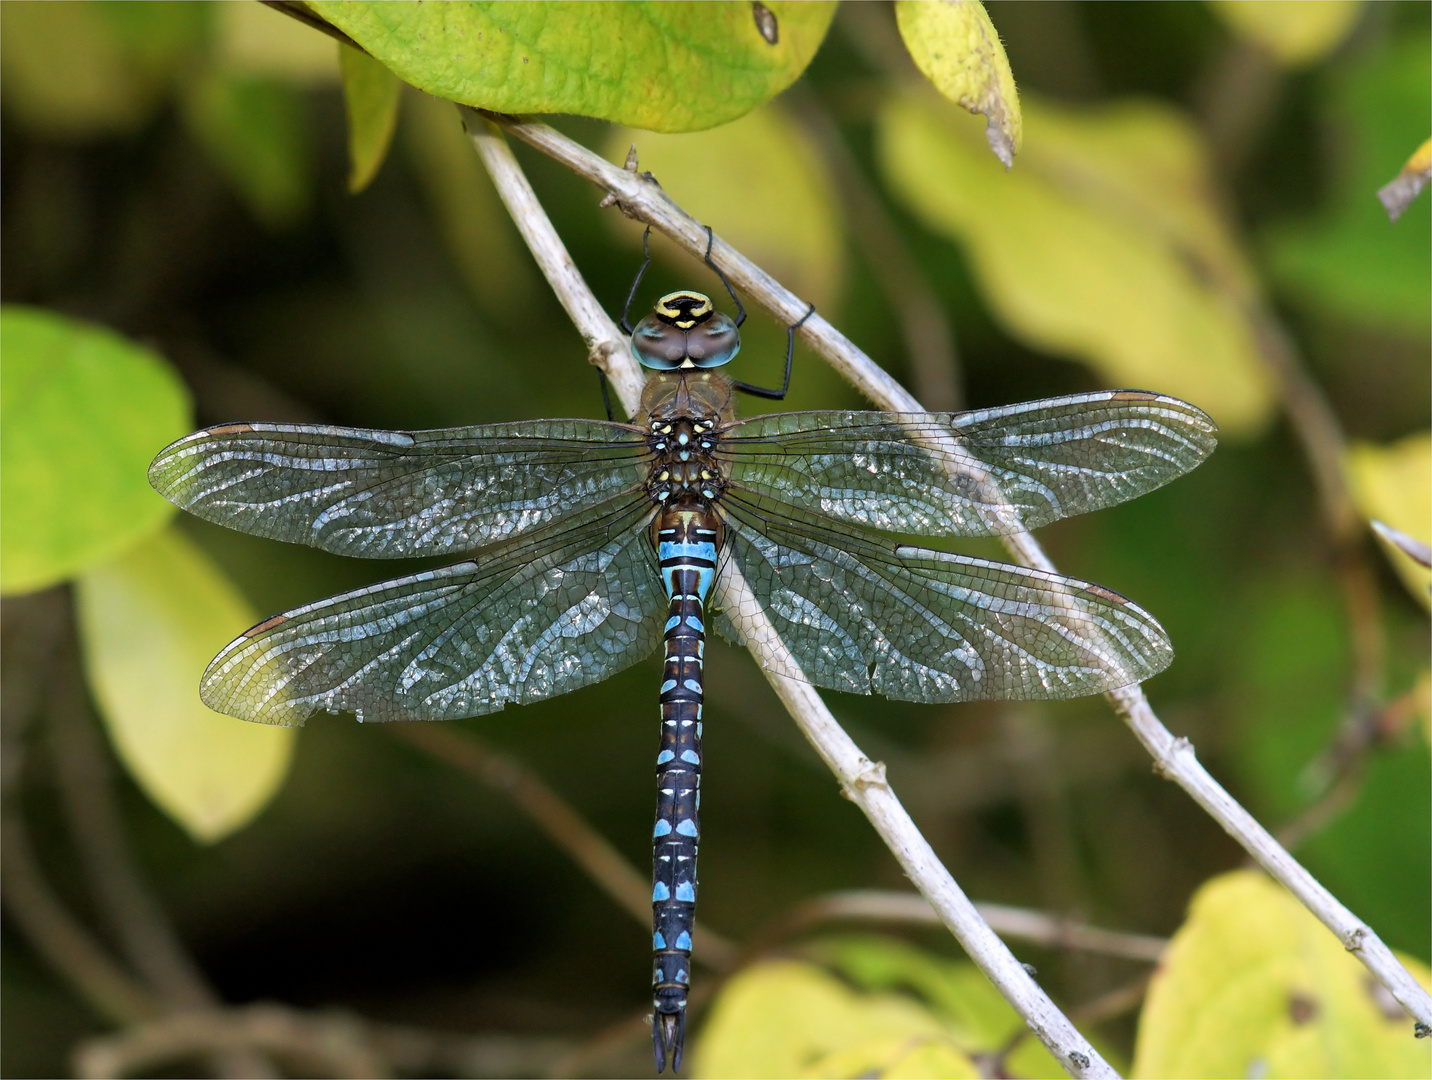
687, 540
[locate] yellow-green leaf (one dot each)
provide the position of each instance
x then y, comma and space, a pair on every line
979, 1018
82, 412
793, 1019
1253, 985
370, 94
1394, 484
956, 46
1104, 246
1295, 32
150, 621
762, 186
662, 66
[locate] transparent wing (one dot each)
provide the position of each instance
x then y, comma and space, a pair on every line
552, 611
983, 473
860, 614
391, 494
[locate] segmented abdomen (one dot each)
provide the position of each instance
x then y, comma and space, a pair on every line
687, 548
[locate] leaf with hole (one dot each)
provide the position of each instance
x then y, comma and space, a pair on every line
1253, 985
666, 67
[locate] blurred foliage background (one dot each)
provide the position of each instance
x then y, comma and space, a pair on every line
1193, 211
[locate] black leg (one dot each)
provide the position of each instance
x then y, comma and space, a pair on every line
740, 308
606, 397
645, 262
766, 392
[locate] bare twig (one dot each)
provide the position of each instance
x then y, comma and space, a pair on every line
336, 1044
1036, 927
862, 780
138, 923
645, 201
59, 937
562, 824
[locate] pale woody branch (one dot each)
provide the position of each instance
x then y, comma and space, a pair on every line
642, 199
862, 780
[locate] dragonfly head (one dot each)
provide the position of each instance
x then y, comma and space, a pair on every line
685, 332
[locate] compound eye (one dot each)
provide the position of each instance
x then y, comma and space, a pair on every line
714, 342
657, 345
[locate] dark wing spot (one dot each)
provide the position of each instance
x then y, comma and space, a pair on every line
230, 429
266, 625
1107, 594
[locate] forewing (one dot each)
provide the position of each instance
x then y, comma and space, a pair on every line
985, 473
392, 494
852, 613
542, 615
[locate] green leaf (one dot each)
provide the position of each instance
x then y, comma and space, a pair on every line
82, 413
762, 186
1393, 484
663, 66
370, 94
87, 70
980, 1019
149, 622
1253, 985
788, 1018
1294, 32
956, 46
1348, 261
1106, 245
254, 130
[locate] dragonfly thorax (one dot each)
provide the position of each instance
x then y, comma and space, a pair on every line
684, 468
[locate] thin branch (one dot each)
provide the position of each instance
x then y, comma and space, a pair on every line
1037, 927
60, 938
139, 925
336, 1044
645, 201
862, 780
562, 824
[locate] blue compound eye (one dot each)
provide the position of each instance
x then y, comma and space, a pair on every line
658, 345
714, 342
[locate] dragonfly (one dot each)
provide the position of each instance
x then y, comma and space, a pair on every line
586, 545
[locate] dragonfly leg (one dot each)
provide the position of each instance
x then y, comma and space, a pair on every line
740, 308
645, 262
766, 392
